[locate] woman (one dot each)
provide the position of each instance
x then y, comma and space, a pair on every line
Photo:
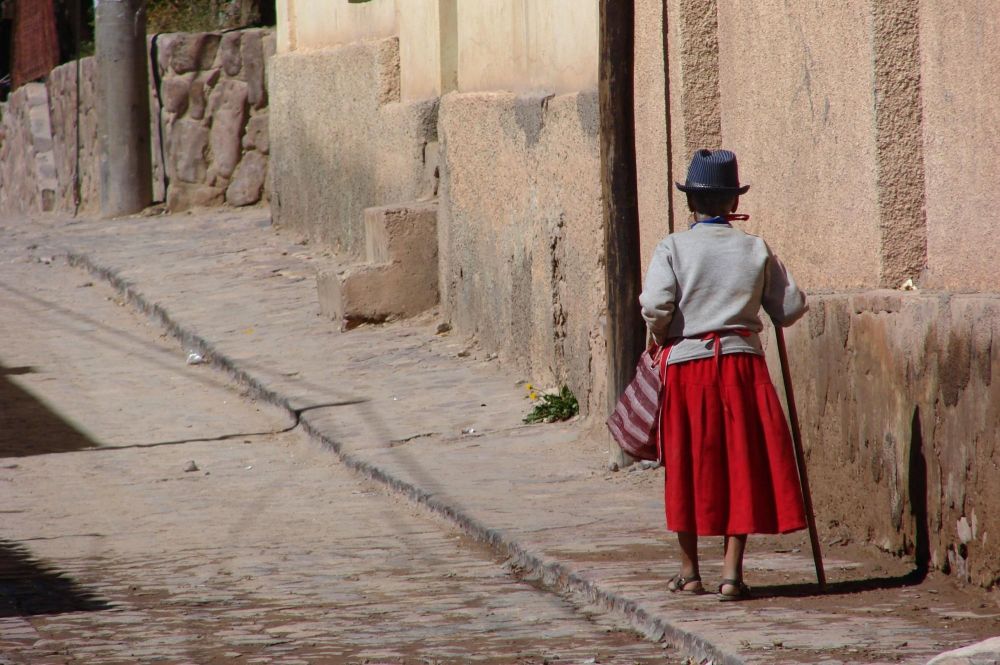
728, 457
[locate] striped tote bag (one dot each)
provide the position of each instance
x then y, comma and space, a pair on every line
634, 424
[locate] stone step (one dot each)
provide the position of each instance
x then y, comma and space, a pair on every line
400, 278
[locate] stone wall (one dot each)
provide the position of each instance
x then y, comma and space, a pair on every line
62, 88
343, 140
214, 116
214, 124
27, 166
521, 241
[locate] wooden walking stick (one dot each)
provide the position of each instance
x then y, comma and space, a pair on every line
800, 459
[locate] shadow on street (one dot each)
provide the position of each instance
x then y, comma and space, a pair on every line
29, 587
28, 426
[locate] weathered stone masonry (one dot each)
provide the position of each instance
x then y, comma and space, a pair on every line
213, 120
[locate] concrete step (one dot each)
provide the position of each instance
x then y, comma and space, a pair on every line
400, 278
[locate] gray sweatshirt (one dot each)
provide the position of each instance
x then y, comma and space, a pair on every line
713, 278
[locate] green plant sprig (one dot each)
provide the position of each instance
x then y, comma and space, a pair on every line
559, 406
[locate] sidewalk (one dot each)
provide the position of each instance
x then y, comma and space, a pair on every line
435, 418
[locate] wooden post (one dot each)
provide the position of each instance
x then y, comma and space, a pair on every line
123, 112
626, 333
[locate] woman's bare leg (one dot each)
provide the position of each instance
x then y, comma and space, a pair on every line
732, 564
689, 561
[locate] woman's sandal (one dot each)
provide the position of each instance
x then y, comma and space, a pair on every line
742, 591
679, 583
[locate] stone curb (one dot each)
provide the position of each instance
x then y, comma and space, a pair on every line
549, 574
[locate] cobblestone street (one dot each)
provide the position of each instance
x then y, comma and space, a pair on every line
152, 514
432, 524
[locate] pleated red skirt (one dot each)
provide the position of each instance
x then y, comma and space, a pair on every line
730, 466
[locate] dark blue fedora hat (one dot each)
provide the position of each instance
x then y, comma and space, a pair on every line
713, 171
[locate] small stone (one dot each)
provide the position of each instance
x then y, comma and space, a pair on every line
187, 144
201, 88
229, 54
193, 51
182, 196
191, 467
255, 135
443, 328
228, 108
175, 93
964, 530
164, 49
248, 180
253, 68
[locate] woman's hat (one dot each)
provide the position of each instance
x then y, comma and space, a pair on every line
713, 171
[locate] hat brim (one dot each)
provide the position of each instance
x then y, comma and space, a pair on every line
702, 189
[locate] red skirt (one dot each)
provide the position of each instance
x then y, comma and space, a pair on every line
730, 466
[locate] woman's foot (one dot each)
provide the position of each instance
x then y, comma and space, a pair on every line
733, 589
686, 584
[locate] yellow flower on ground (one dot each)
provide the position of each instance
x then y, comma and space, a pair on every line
532, 396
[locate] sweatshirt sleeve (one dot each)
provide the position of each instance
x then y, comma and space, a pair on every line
659, 292
784, 302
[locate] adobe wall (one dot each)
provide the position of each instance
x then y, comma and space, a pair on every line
900, 411
343, 141
527, 46
960, 58
796, 106
521, 242
652, 151
427, 31
357, 122
870, 143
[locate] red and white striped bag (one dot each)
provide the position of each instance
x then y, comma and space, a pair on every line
634, 424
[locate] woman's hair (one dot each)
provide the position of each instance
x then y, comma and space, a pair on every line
711, 203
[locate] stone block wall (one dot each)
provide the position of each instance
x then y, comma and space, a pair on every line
214, 117
27, 165
520, 229
209, 99
62, 89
